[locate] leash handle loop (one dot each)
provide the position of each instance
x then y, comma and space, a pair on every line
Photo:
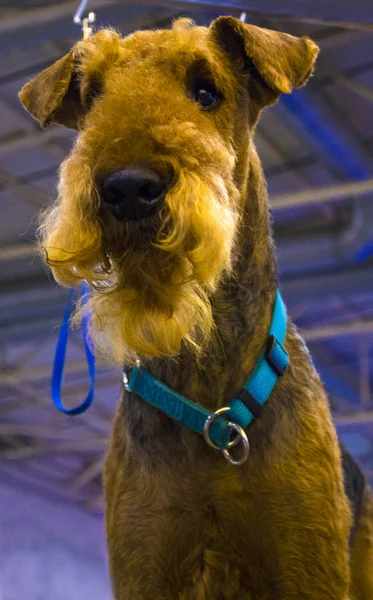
60, 357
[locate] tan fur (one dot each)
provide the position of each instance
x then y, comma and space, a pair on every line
191, 293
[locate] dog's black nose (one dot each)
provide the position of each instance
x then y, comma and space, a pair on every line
133, 193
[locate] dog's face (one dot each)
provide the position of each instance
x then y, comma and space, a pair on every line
152, 193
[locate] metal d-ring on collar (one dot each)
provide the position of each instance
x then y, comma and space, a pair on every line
217, 430
232, 427
127, 375
240, 437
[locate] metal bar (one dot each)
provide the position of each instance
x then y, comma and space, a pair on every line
78, 17
364, 372
47, 14
327, 78
354, 25
296, 289
341, 386
354, 418
15, 375
96, 503
17, 251
27, 191
50, 431
27, 141
329, 130
329, 135
89, 472
55, 23
35, 17
337, 37
333, 331
330, 193
322, 286
359, 88
31, 350
16, 473
304, 13
83, 445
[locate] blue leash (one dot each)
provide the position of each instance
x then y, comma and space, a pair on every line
60, 356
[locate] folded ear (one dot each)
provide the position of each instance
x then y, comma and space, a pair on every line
64, 91
53, 96
282, 61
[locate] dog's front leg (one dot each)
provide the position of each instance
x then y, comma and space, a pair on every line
310, 520
216, 578
169, 564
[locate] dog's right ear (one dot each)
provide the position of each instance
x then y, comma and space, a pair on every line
64, 92
53, 96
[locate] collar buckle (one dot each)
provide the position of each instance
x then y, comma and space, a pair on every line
276, 356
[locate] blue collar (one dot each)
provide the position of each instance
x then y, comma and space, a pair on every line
216, 430
248, 405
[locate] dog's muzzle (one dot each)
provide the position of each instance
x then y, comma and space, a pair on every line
134, 193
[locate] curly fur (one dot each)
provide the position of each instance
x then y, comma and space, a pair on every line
166, 281
191, 292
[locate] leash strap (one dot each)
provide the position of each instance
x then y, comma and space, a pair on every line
271, 365
60, 356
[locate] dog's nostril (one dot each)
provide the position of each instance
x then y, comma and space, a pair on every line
150, 191
133, 193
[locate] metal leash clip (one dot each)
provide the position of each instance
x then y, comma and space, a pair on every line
240, 437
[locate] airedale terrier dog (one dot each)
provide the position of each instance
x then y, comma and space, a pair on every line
162, 209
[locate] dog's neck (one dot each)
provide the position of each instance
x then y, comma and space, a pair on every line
242, 308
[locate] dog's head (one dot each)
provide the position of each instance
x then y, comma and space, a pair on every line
152, 194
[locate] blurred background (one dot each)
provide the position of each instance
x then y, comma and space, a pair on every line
317, 150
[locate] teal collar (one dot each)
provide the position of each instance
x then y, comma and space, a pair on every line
248, 405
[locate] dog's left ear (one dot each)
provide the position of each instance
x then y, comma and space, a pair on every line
281, 60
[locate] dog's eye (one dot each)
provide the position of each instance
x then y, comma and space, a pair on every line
205, 93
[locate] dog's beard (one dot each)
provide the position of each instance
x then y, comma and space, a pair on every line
152, 288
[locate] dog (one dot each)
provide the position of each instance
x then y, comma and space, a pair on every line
162, 208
